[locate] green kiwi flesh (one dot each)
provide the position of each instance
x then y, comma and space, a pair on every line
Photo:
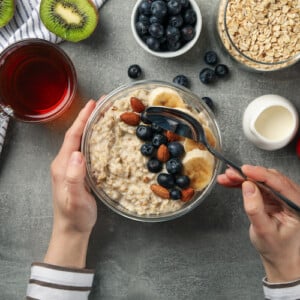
72, 20
7, 10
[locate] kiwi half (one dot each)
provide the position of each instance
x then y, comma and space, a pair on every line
72, 20
7, 10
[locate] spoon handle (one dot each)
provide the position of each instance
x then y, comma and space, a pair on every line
278, 196
225, 160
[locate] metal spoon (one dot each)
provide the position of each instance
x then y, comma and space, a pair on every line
185, 125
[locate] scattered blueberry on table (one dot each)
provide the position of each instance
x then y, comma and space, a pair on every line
134, 71
208, 101
181, 80
210, 57
221, 70
207, 75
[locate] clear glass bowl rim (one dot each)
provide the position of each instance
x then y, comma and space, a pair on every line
291, 61
99, 194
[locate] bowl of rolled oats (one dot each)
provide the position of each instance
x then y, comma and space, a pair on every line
141, 171
262, 35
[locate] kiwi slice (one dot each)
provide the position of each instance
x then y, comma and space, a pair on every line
72, 20
7, 10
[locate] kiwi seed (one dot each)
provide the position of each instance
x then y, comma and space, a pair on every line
7, 10
72, 20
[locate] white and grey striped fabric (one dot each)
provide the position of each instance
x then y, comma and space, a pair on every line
25, 24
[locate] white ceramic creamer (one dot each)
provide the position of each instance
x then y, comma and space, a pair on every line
270, 122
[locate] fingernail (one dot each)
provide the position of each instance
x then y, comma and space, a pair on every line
248, 189
76, 158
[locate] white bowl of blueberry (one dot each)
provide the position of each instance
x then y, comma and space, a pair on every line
166, 28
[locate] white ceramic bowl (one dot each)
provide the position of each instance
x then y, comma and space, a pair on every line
168, 54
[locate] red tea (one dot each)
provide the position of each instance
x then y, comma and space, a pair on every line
37, 80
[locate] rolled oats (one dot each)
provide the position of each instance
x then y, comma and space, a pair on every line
264, 35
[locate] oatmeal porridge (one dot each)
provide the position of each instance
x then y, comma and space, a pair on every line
124, 172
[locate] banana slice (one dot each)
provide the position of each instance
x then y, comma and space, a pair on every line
163, 96
199, 166
189, 144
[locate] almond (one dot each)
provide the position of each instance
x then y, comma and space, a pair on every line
171, 136
163, 153
160, 191
137, 105
130, 118
187, 194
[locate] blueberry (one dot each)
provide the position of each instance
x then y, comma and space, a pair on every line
181, 80
176, 21
175, 194
166, 180
188, 33
183, 181
144, 118
156, 30
134, 71
184, 3
159, 8
208, 102
174, 165
153, 43
154, 19
155, 128
172, 34
144, 132
147, 149
210, 57
174, 7
221, 70
145, 7
190, 17
207, 75
141, 28
159, 139
174, 46
154, 165
162, 40
144, 19
176, 149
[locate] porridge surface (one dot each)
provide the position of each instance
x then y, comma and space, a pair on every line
119, 168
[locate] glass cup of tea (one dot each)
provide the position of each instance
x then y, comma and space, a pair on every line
38, 81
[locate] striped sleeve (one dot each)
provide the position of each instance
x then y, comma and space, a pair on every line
282, 291
48, 282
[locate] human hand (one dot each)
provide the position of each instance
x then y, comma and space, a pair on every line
75, 210
274, 229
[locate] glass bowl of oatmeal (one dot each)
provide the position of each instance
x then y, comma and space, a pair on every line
260, 35
139, 170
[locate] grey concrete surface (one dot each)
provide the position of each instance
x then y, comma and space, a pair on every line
203, 255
